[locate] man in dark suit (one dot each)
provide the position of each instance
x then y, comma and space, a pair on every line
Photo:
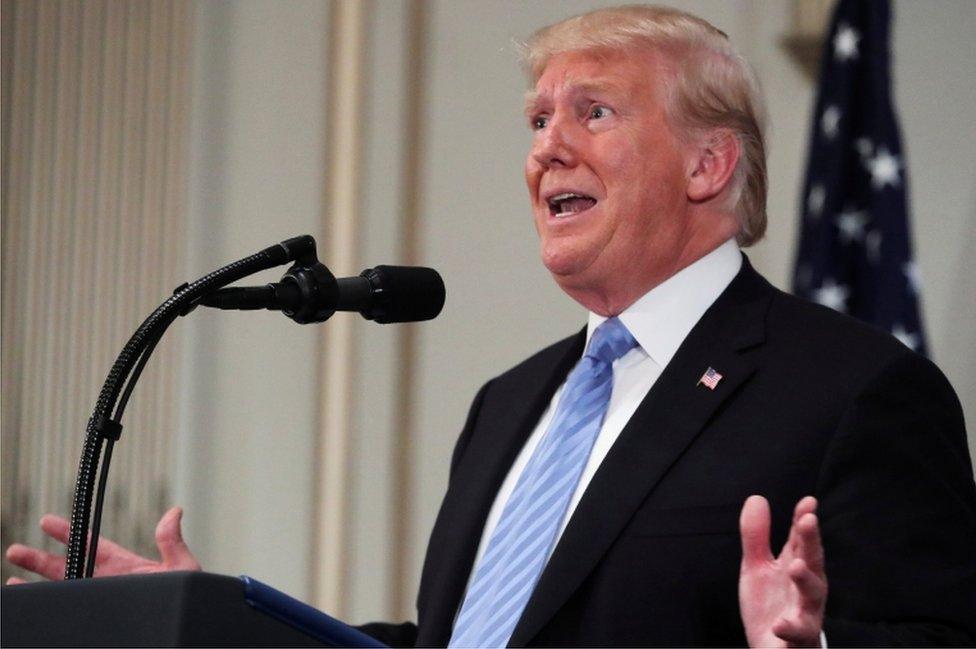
809, 403
596, 491
646, 167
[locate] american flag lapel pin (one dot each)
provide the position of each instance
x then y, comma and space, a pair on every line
710, 378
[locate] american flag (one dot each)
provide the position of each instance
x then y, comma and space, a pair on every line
855, 251
710, 378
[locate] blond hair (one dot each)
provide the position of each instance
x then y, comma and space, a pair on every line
714, 88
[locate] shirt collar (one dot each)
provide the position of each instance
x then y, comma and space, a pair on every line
665, 315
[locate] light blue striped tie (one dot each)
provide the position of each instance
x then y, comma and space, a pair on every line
526, 531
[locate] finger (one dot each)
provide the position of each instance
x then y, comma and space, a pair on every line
13, 581
111, 552
59, 529
56, 527
811, 587
754, 529
806, 505
169, 539
809, 546
45, 564
797, 633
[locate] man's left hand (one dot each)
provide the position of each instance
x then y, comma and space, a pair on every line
782, 598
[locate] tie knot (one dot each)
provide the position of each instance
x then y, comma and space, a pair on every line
610, 341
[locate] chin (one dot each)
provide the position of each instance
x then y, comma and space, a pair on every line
571, 274
562, 262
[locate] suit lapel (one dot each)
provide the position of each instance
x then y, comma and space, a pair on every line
668, 420
513, 412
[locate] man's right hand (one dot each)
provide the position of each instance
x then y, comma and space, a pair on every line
112, 559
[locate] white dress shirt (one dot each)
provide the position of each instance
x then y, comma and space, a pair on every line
659, 321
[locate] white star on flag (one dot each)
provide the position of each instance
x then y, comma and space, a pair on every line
833, 295
830, 122
872, 242
815, 201
845, 43
863, 146
914, 276
851, 225
884, 169
905, 337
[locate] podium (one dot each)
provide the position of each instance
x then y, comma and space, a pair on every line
175, 609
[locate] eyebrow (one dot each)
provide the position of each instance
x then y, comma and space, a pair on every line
533, 98
531, 102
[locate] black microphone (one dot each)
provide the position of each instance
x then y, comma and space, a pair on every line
310, 293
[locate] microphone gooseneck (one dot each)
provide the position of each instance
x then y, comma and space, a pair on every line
307, 293
104, 426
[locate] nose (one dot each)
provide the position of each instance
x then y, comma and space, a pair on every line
555, 145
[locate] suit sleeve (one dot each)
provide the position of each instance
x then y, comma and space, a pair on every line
898, 514
394, 635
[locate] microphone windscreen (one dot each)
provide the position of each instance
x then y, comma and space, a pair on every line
405, 293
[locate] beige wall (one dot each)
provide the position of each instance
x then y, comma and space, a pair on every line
249, 398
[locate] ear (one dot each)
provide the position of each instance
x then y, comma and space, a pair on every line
713, 163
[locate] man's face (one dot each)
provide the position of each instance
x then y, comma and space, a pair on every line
606, 173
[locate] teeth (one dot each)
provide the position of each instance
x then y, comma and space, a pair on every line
556, 203
564, 196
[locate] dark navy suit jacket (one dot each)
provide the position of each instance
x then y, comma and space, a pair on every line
810, 402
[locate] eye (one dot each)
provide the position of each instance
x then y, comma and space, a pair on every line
539, 122
599, 112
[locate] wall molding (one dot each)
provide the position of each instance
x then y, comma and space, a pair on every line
340, 222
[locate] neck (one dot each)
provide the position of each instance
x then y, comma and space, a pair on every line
613, 297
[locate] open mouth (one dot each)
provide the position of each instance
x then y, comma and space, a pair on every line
569, 203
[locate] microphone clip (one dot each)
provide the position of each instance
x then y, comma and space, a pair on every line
308, 292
